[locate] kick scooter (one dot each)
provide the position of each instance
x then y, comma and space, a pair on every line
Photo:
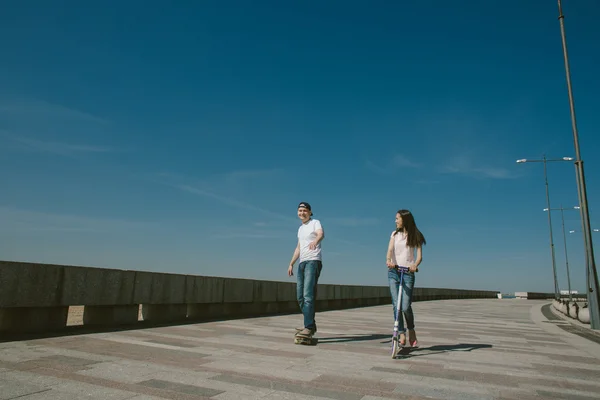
396, 338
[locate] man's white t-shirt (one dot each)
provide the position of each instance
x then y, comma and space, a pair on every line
307, 233
403, 255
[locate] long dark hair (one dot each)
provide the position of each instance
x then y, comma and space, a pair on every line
414, 237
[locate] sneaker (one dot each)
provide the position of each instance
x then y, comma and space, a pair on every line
302, 328
305, 332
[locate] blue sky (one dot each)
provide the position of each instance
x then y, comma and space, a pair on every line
181, 137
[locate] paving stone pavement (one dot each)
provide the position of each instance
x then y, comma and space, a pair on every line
470, 349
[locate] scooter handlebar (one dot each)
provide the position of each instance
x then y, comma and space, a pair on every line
402, 269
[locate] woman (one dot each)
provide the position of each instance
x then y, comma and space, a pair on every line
406, 240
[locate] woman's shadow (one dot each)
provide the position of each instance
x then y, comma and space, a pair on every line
407, 352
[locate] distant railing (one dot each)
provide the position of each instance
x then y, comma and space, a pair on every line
549, 296
534, 295
36, 297
575, 309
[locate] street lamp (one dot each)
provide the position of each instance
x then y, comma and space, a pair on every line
590, 263
545, 161
562, 215
593, 230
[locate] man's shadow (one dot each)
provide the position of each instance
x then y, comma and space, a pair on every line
351, 338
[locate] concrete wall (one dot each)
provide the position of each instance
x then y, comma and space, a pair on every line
36, 297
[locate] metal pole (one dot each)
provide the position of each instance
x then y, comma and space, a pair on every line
562, 215
593, 293
585, 242
556, 291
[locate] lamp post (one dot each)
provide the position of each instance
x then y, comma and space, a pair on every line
545, 161
593, 290
562, 215
593, 230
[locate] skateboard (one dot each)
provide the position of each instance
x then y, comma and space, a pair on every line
306, 340
303, 339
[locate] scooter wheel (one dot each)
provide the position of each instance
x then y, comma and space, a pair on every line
394, 347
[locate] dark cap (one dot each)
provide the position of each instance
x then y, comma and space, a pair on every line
305, 205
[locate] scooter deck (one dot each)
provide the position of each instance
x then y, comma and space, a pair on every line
403, 351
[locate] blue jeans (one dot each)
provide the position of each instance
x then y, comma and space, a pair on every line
306, 290
407, 289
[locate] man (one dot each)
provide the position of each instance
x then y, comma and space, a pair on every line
310, 234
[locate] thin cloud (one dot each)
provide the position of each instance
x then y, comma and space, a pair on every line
427, 181
391, 166
376, 168
251, 235
402, 161
345, 242
347, 222
207, 192
58, 148
464, 166
242, 175
231, 201
495, 173
353, 222
228, 185
480, 172
30, 221
40, 108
